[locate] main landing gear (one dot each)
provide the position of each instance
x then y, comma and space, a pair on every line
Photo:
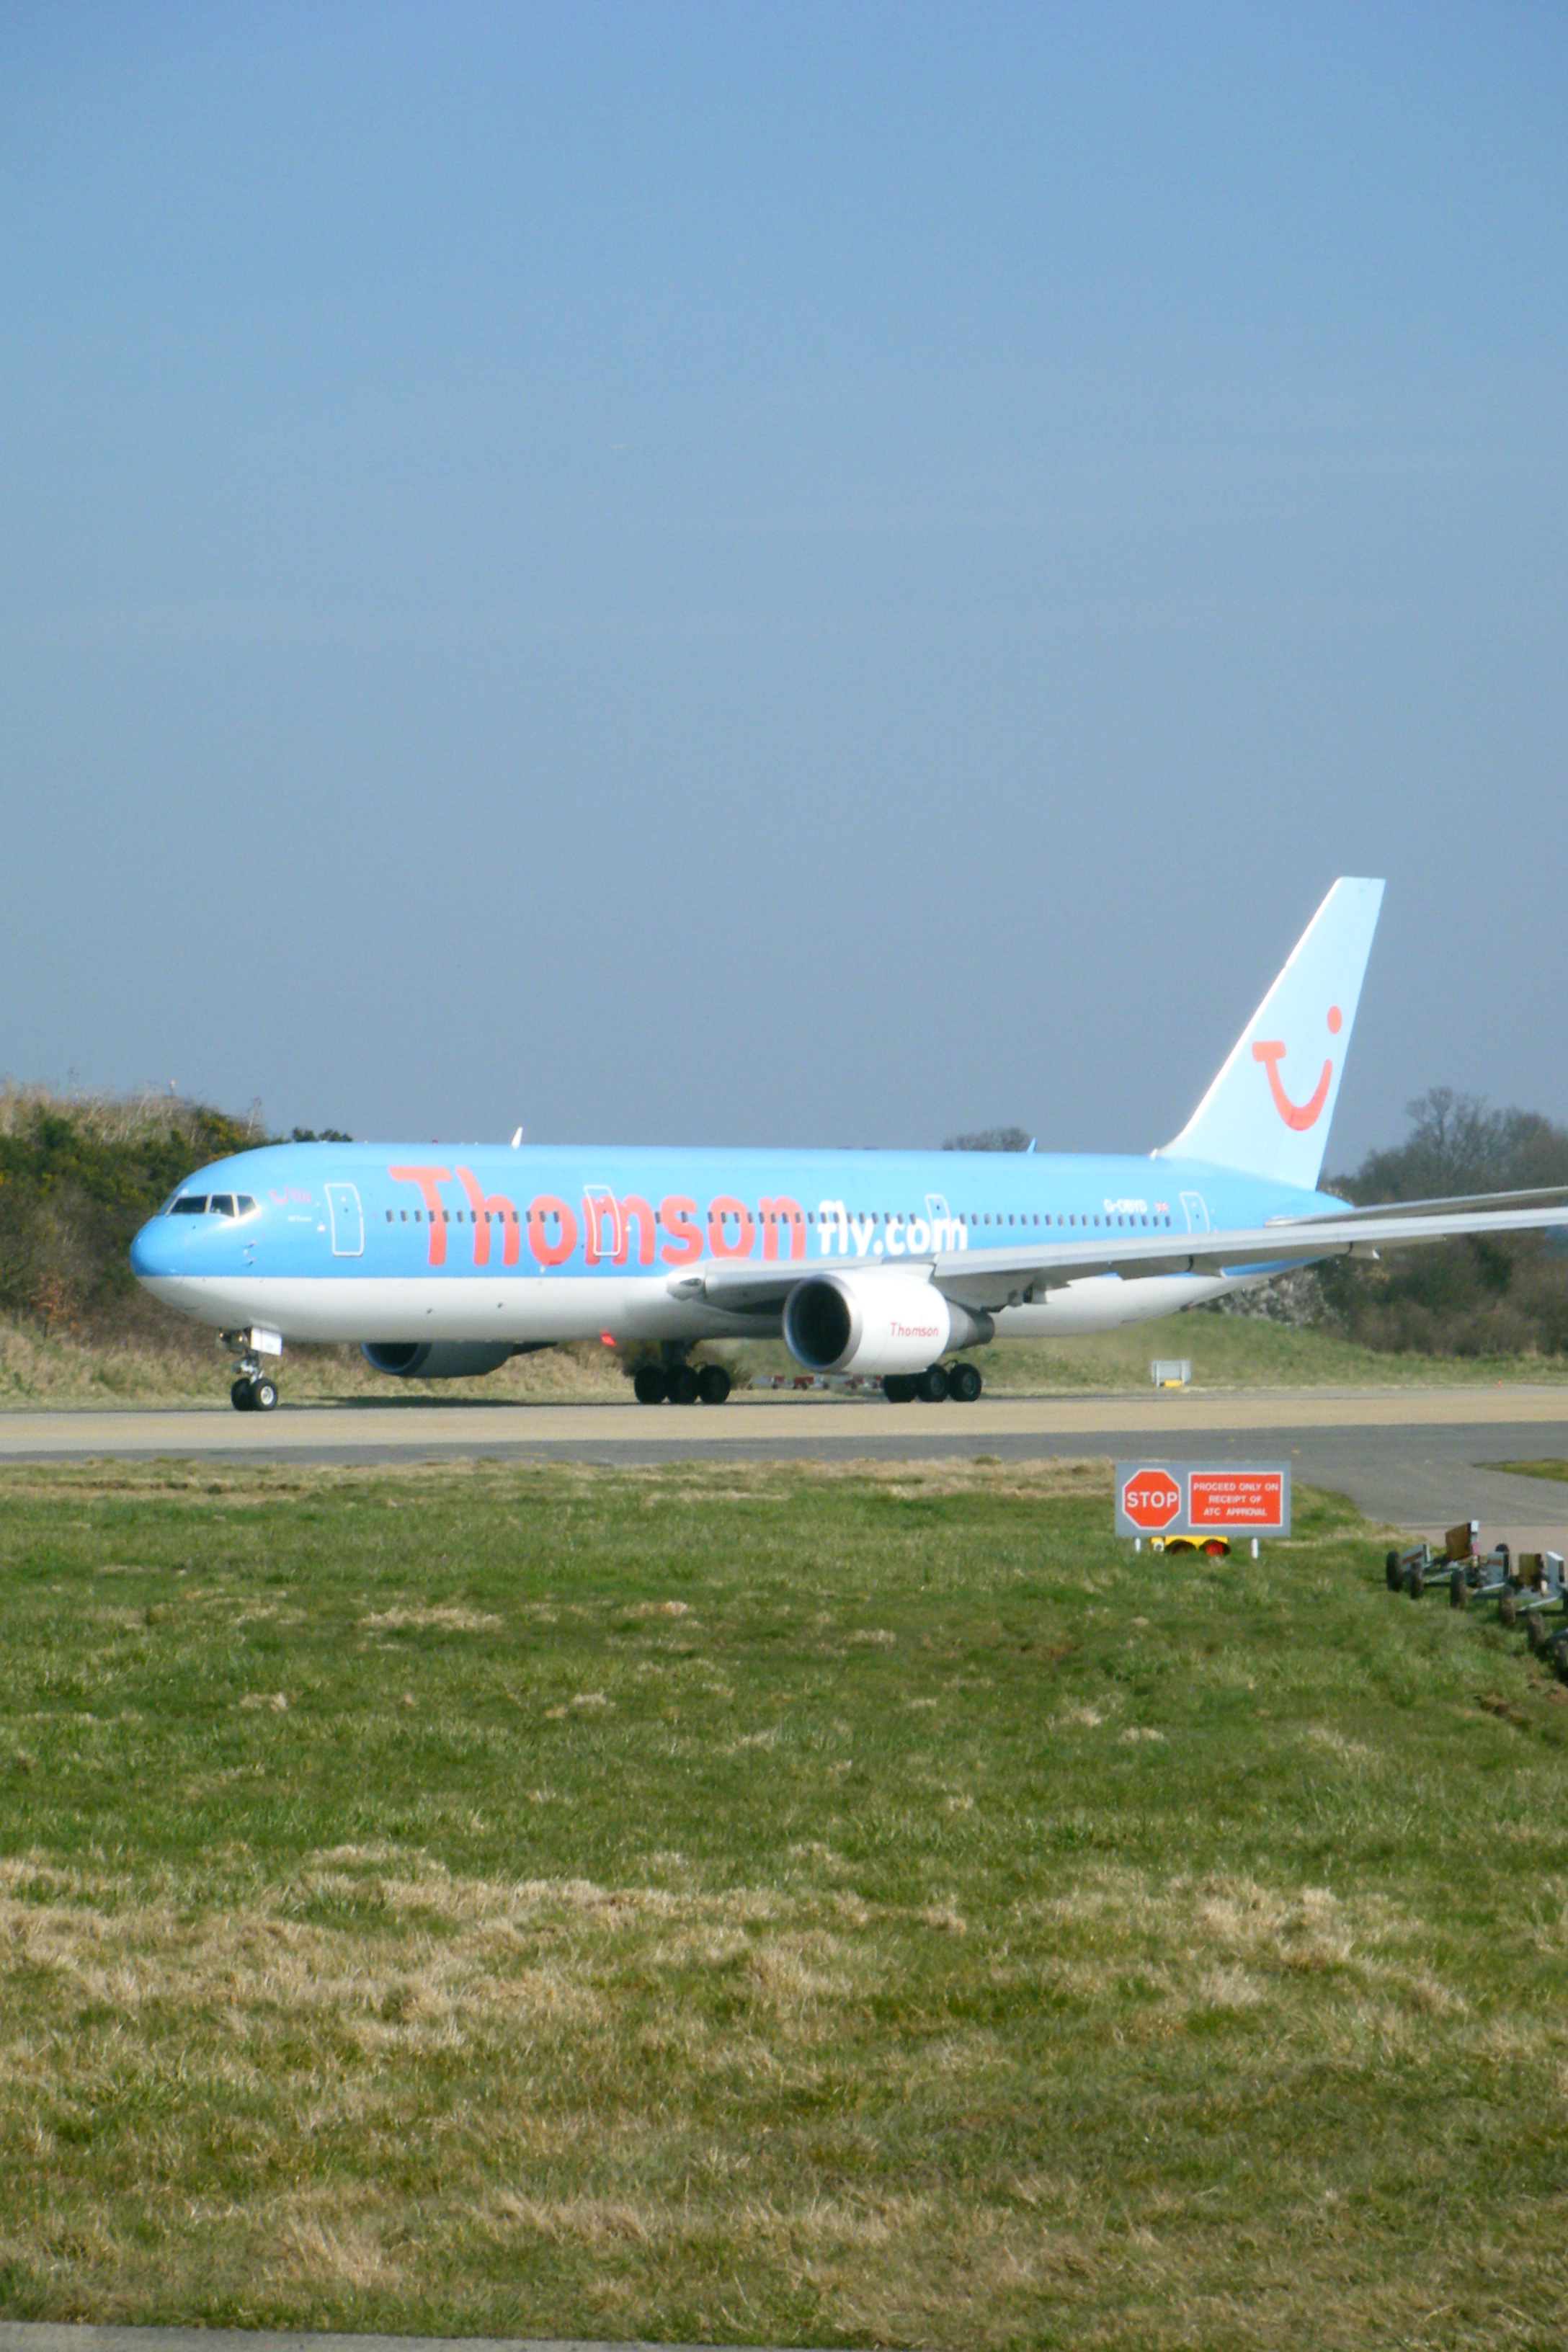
680, 1385
961, 1382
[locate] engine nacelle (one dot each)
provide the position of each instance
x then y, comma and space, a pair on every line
875, 1323
436, 1359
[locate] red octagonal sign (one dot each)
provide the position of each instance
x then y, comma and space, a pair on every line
1152, 1498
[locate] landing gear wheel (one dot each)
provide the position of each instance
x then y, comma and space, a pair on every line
1417, 1582
1559, 1660
1535, 1633
1394, 1575
1506, 1609
713, 1384
648, 1384
899, 1388
252, 1390
1459, 1591
682, 1385
965, 1383
931, 1386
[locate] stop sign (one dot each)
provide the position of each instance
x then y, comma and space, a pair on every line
1151, 1498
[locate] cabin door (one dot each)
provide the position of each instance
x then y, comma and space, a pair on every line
347, 1220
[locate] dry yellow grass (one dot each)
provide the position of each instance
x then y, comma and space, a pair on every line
53, 1369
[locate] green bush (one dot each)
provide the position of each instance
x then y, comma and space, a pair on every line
77, 1178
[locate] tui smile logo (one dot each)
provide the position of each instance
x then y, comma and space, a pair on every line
1271, 1052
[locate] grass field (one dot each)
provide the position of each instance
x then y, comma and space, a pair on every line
1553, 1468
773, 1905
1226, 1351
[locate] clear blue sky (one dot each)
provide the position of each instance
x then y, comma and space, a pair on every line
778, 573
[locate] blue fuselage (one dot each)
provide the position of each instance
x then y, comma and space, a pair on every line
389, 1243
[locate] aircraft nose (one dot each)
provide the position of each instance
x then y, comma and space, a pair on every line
152, 1251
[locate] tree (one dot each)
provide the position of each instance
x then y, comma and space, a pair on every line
1463, 1297
991, 1138
1457, 1145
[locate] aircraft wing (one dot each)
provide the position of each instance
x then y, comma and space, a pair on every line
1540, 1196
991, 1278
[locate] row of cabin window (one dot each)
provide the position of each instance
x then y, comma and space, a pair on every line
508, 1216
503, 1217
1122, 1221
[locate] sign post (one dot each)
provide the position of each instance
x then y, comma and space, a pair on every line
1203, 1500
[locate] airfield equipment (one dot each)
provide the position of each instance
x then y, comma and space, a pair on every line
1540, 1572
1471, 1573
1485, 1576
1541, 1591
1533, 1587
1401, 1566
1491, 1580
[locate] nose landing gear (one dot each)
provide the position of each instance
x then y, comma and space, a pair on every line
254, 1391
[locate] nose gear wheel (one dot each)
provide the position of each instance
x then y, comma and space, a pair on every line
254, 1391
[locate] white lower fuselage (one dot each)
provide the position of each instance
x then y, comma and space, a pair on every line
531, 1310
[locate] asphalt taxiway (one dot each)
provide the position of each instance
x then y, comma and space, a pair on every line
1418, 1458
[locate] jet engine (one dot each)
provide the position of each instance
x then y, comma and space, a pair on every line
436, 1360
875, 1323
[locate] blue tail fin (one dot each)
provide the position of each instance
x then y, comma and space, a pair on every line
1269, 1111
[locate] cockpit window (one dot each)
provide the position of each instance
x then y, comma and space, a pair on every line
209, 1204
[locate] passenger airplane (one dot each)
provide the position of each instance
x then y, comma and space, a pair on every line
442, 1264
